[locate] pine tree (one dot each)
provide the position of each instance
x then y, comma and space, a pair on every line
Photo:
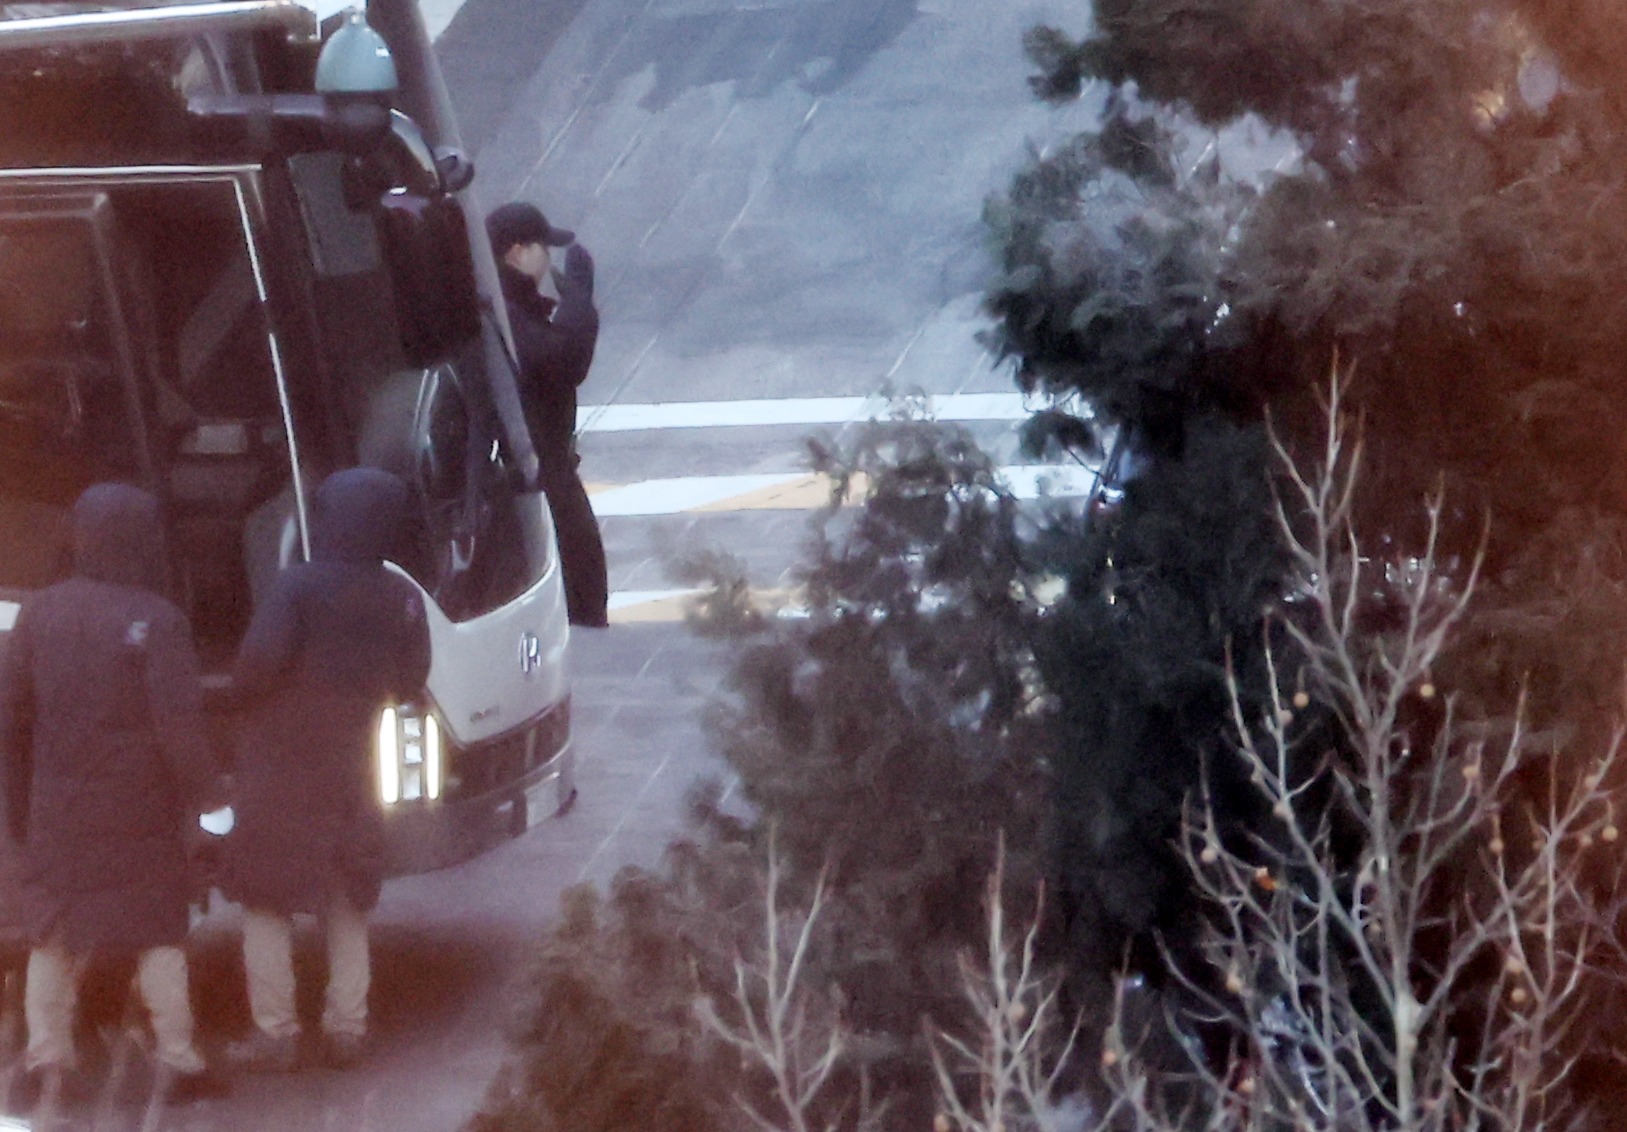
1449, 229
888, 745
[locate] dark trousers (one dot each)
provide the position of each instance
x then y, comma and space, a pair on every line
581, 549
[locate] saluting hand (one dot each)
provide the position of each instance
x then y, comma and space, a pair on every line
578, 269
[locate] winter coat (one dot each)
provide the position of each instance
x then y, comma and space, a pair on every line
554, 344
336, 640
101, 730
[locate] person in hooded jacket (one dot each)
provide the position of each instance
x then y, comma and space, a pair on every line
107, 767
335, 641
554, 344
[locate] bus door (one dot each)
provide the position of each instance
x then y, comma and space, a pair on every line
69, 405
148, 356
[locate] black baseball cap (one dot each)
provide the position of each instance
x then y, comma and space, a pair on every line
522, 223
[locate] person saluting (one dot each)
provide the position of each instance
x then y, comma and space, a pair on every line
554, 343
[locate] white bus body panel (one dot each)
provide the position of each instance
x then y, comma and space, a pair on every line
494, 673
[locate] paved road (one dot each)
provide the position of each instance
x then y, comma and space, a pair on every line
783, 197
784, 200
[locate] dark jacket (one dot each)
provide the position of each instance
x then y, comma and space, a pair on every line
554, 344
336, 640
101, 728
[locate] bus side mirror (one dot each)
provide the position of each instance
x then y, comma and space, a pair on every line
457, 171
402, 162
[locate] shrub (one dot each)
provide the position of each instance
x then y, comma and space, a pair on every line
886, 744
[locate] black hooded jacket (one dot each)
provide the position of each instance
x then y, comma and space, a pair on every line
102, 734
554, 344
336, 640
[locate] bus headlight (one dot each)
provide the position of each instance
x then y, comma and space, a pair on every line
410, 761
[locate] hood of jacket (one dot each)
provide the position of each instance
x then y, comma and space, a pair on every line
118, 537
359, 517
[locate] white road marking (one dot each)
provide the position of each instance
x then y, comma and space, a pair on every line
622, 599
797, 491
793, 411
1049, 481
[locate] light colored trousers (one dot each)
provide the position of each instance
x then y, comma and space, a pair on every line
268, 961
51, 999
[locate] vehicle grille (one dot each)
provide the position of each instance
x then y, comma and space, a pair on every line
509, 759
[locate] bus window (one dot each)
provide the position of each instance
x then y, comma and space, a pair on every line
209, 328
343, 240
426, 244
443, 451
64, 407
471, 556
218, 435
449, 492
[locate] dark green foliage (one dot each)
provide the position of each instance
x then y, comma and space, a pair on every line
1553, 630
1453, 227
1117, 287
893, 735
1220, 59
1450, 229
892, 738
1111, 284
1158, 597
606, 1040
725, 609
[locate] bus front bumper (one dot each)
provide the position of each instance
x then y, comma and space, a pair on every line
496, 791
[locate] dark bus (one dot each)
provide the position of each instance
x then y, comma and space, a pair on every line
238, 251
